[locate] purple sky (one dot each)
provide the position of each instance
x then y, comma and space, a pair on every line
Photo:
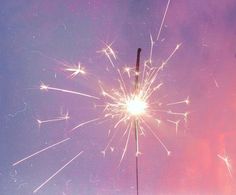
33, 33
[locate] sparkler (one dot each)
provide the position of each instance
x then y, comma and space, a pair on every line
132, 108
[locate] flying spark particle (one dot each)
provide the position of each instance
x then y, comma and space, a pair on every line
228, 165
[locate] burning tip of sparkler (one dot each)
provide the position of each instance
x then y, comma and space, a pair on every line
136, 106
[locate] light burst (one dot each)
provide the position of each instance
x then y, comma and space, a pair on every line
132, 107
123, 106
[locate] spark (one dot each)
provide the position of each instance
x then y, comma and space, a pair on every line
151, 49
176, 123
40, 151
171, 55
227, 163
57, 172
107, 146
85, 123
163, 19
184, 114
158, 138
158, 121
61, 118
75, 70
216, 83
44, 87
128, 70
109, 53
186, 101
126, 145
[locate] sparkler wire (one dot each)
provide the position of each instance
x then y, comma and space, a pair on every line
136, 119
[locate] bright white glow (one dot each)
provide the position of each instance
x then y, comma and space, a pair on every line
136, 106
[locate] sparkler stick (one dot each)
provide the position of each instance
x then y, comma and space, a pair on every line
136, 119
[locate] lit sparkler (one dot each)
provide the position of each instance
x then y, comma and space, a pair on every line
124, 106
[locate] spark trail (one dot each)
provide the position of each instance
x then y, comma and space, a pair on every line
40, 151
85, 123
57, 172
163, 19
44, 87
226, 160
61, 118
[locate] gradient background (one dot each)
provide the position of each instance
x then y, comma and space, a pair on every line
73, 31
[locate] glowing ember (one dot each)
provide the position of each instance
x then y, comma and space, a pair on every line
136, 106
